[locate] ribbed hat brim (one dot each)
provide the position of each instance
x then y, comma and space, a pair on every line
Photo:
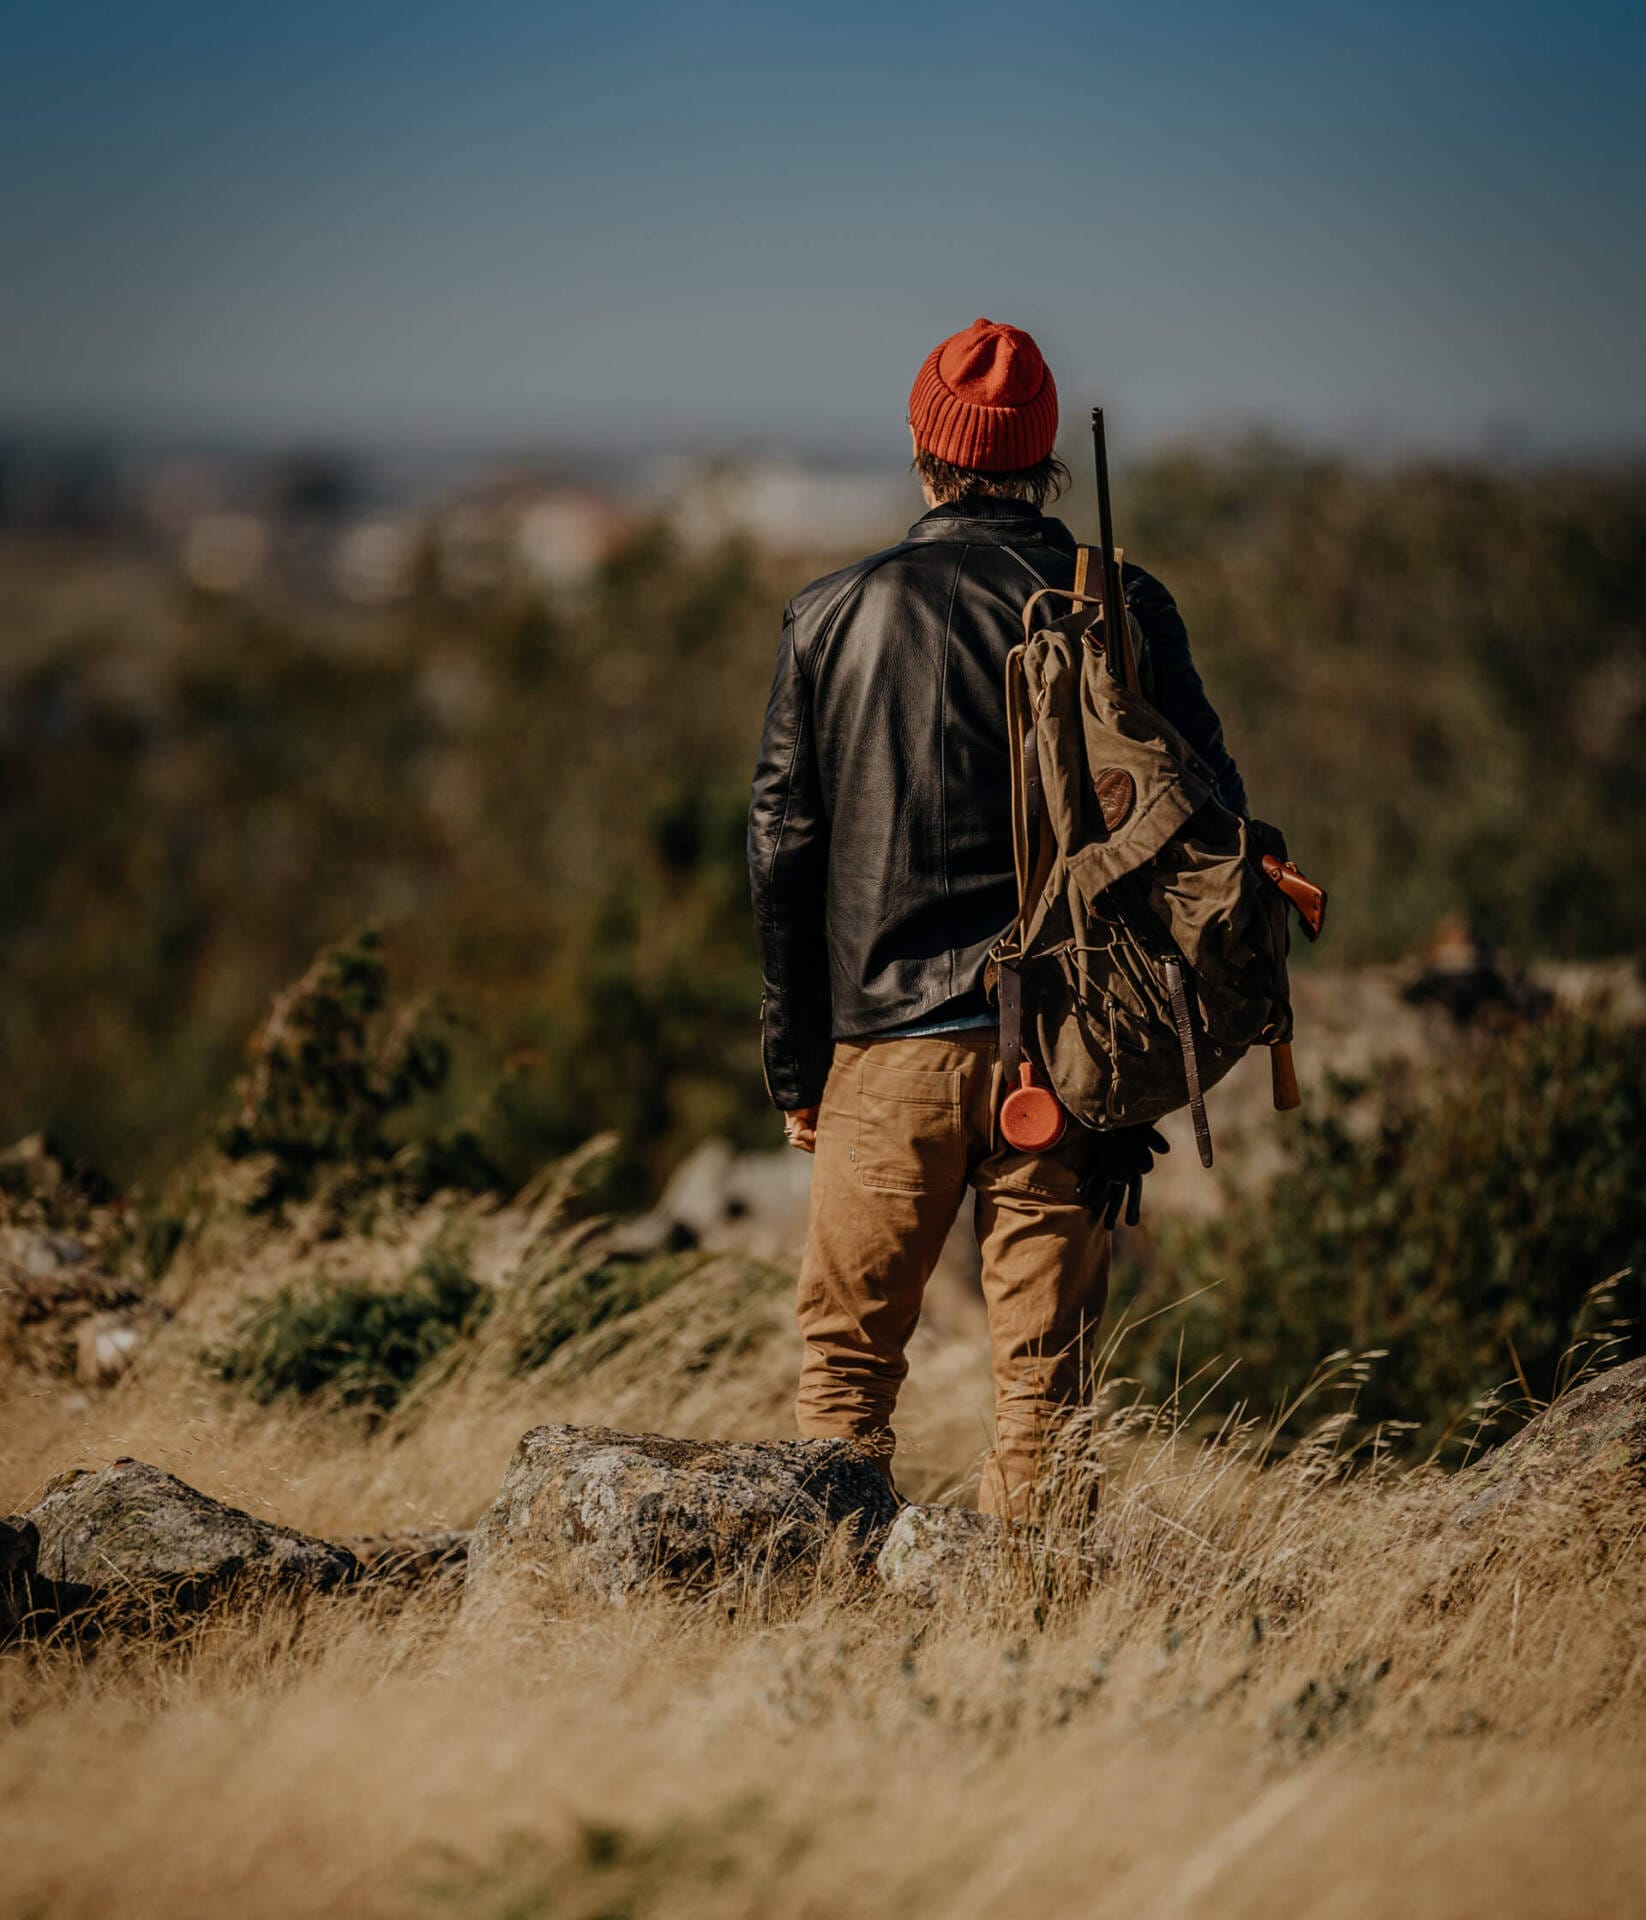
987, 439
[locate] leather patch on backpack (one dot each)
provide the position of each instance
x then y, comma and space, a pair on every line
1116, 796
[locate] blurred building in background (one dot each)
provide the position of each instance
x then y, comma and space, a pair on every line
339, 525
784, 505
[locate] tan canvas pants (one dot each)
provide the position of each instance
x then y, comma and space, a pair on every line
906, 1126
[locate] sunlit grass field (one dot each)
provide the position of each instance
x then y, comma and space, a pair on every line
1268, 1683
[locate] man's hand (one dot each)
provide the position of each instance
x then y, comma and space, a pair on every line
1114, 1176
800, 1129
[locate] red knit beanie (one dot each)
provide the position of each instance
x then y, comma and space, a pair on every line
985, 399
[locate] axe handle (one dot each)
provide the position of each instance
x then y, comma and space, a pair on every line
1284, 1074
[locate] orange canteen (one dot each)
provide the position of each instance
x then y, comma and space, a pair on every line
1030, 1116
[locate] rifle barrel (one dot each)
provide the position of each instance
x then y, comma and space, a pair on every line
1105, 507
1108, 569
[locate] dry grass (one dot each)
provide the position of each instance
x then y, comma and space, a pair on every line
1291, 1689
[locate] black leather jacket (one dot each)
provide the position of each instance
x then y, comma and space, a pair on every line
880, 848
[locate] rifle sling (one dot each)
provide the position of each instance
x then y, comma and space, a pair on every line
1173, 968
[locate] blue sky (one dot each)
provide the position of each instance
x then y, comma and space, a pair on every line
1395, 225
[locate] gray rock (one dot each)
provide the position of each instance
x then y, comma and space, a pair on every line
939, 1553
1597, 1431
130, 1527
611, 1512
105, 1344
43, 1254
727, 1202
410, 1559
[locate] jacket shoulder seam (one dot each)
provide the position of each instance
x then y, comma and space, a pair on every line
1034, 573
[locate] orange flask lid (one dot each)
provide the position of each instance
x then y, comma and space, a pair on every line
1030, 1116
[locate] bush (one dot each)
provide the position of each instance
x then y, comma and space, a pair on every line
1464, 1233
334, 1073
361, 1345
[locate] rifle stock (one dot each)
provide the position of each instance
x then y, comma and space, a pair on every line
1283, 1076
1305, 896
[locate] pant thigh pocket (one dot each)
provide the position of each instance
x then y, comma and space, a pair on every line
1053, 1175
908, 1128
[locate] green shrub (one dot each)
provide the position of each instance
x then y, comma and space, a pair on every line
361, 1345
333, 1075
1463, 1233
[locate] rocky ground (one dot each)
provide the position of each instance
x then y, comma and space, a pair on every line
665, 1677
611, 1516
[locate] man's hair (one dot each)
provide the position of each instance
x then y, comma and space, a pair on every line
953, 486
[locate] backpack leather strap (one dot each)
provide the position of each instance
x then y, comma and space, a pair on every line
1011, 979
1046, 593
1173, 969
1010, 990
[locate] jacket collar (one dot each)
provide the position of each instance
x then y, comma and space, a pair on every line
1000, 522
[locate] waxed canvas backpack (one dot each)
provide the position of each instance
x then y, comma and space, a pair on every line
1149, 952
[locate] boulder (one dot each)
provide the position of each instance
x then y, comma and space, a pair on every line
727, 1202
105, 1344
612, 1512
938, 1553
132, 1527
1597, 1431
